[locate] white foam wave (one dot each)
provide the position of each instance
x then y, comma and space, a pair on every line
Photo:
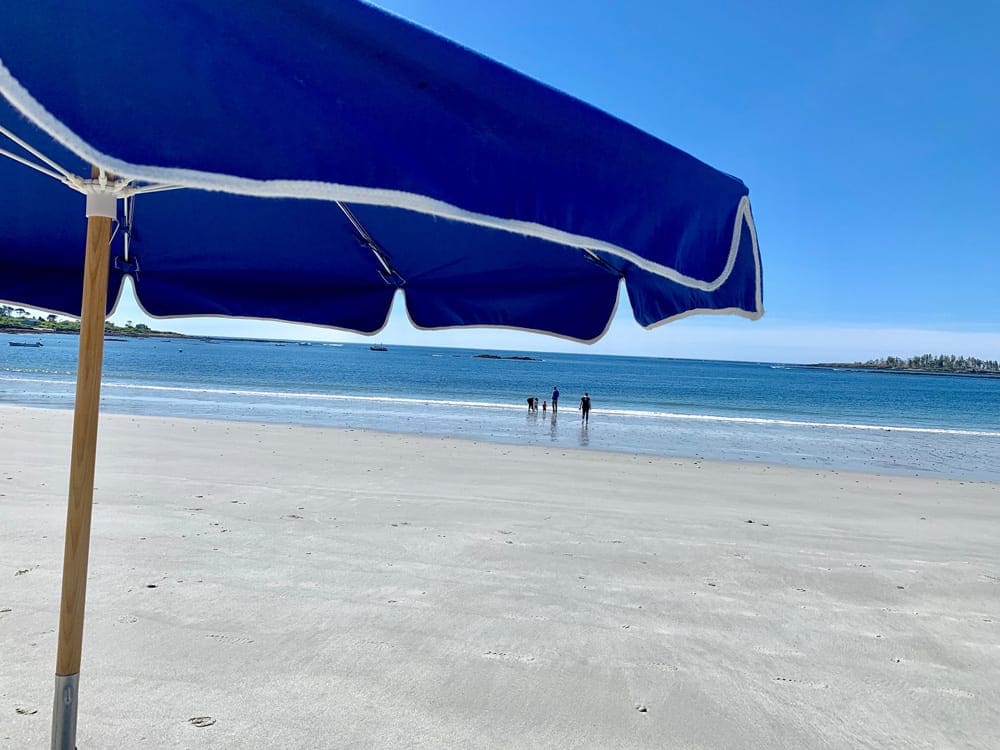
797, 423
626, 413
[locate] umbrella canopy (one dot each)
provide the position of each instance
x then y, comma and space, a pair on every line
306, 161
406, 163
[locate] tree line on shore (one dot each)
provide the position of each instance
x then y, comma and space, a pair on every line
928, 363
18, 319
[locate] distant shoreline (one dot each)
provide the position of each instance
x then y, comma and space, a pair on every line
124, 333
76, 332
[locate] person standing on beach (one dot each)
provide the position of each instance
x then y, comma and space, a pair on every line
585, 408
555, 399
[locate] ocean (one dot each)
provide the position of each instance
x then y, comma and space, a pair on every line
928, 425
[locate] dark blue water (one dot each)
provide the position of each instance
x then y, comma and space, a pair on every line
925, 424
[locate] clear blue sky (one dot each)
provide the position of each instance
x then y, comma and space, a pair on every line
868, 133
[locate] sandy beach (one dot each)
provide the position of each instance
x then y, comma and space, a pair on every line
271, 586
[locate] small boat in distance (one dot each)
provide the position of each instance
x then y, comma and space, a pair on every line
26, 343
378, 348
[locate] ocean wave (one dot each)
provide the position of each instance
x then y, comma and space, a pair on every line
799, 423
506, 406
34, 371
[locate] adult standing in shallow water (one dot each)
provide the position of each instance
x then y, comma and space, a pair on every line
585, 408
555, 399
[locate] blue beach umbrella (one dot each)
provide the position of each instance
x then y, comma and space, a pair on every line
313, 161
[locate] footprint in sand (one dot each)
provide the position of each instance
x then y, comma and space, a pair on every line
508, 657
954, 692
809, 685
230, 640
778, 651
661, 666
377, 645
202, 721
957, 693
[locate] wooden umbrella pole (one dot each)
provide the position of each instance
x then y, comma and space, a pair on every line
81, 475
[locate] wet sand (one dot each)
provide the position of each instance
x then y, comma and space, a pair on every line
288, 587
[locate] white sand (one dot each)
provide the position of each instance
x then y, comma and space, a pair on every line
330, 588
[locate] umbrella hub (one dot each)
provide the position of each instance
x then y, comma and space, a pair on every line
102, 195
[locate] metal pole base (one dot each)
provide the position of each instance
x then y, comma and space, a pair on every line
64, 712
